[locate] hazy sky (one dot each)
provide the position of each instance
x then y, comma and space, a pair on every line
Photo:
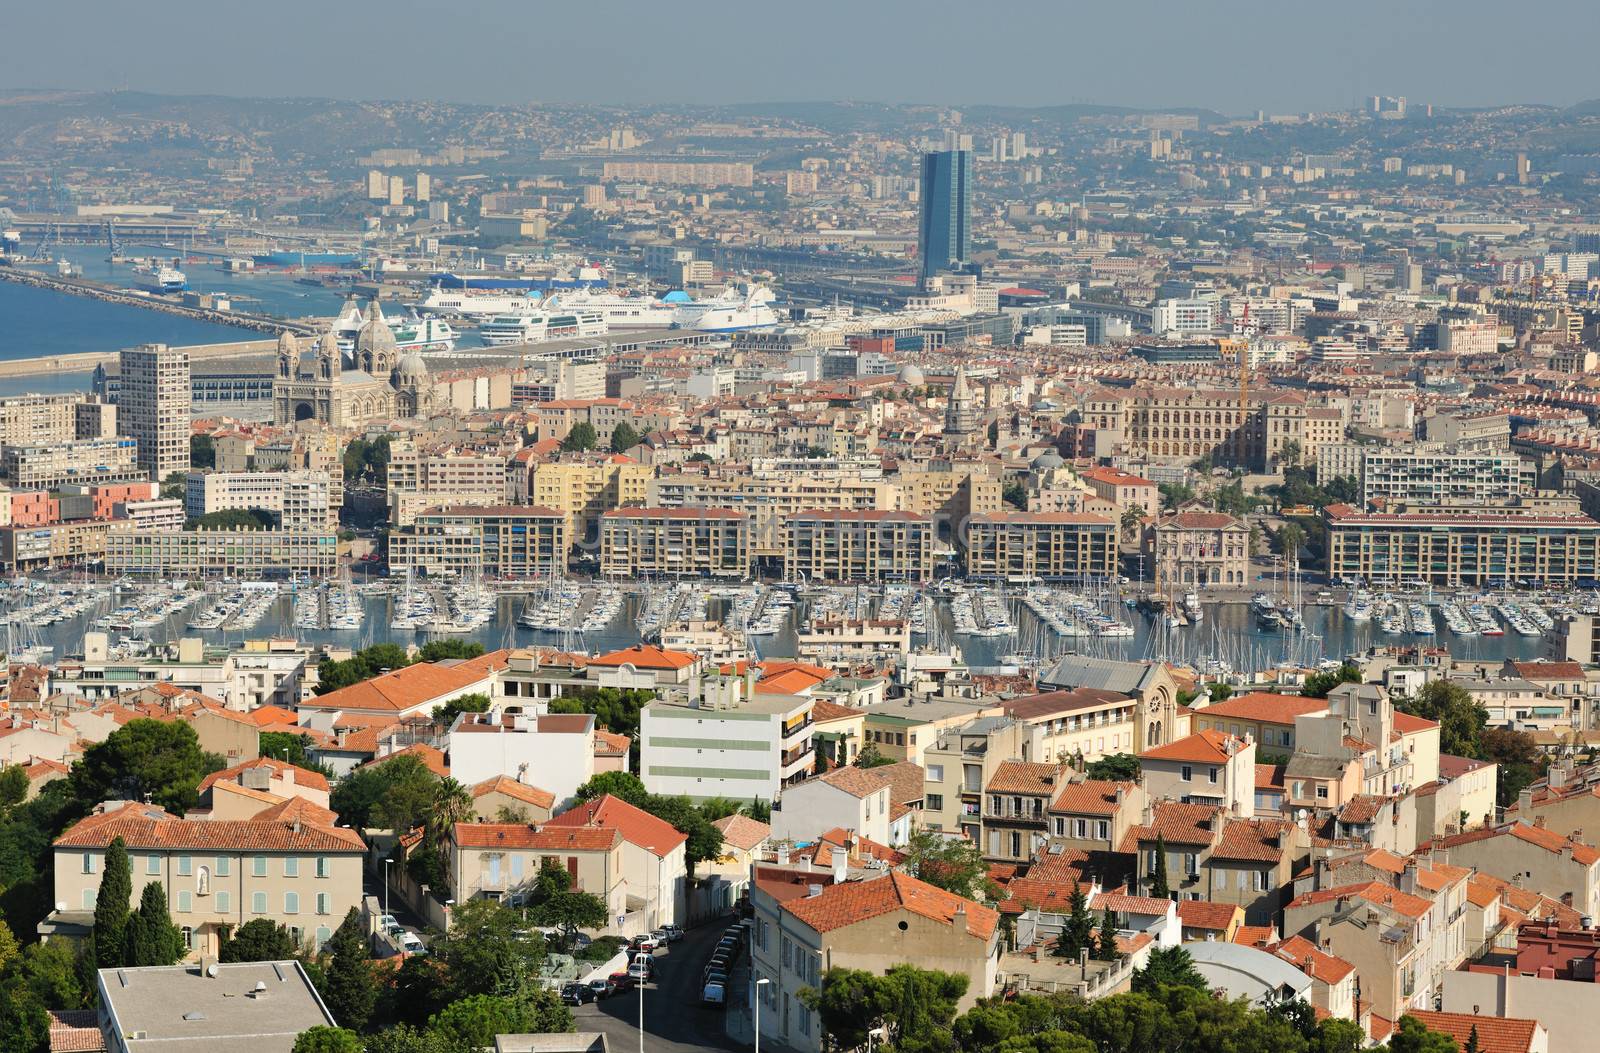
1232, 55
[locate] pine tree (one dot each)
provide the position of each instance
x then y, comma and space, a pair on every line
1107, 951
1472, 1041
111, 906
1077, 932
151, 938
350, 992
1159, 888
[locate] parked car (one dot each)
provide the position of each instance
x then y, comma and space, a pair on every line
660, 936
411, 943
387, 923
642, 968
623, 982
603, 987
673, 933
577, 994
715, 995
647, 944
715, 976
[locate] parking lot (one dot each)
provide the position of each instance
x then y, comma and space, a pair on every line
674, 1019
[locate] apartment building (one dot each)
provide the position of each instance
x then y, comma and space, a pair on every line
1196, 549
1207, 767
583, 491
153, 407
54, 544
1212, 856
958, 762
302, 500
1484, 547
1124, 490
950, 496
47, 465
859, 546
27, 420
500, 541
725, 743
1436, 474
420, 478
1028, 546
251, 554
655, 873
1558, 866
773, 491
1094, 815
873, 923
846, 798
1016, 802
501, 861
1084, 724
675, 542
554, 751
216, 873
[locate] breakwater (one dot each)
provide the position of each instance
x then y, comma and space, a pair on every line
110, 294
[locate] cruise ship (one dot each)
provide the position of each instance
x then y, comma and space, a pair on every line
619, 310
727, 312
411, 333
538, 326
470, 304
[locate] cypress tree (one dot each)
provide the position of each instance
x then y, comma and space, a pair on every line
112, 905
350, 992
1159, 888
1107, 949
152, 939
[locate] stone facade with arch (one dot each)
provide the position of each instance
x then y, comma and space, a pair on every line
378, 384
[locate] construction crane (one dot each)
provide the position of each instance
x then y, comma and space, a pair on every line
111, 241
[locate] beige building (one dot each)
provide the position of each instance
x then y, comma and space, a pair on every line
840, 546
960, 760
501, 861
1025, 546
872, 924
675, 542
153, 407
215, 873
1461, 548
499, 542
303, 500
50, 419
1084, 724
774, 491
1207, 767
1196, 549
47, 465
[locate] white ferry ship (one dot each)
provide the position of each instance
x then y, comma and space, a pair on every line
620, 311
411, 333
537, 327
470, 303
727, 312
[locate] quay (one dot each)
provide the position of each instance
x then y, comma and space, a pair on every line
110, 294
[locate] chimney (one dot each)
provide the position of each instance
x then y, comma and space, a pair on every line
1319, 874
1408, 878
783, 855
1556, 777
1525, 802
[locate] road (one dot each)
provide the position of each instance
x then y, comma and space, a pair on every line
675, 1021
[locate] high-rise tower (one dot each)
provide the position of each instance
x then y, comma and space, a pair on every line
944, 236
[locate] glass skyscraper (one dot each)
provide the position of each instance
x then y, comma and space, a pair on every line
944, 235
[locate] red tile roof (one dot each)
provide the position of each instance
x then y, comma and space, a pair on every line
1261, 840
1406, 724
1205, 915
299, 776
549, 838
1023, 777
431, 758
1319, 965
1177, 824
742, 832
1373, 892
143, 827
1091, 797
1203, 747
1496, 1034
838, 906
637, 826
1264, 708
415, 685
645, 656
521, 791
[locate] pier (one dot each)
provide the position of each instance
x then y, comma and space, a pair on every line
110, 294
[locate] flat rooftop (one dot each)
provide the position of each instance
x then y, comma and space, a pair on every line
248, 1007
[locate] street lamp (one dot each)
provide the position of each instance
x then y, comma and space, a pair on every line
447, 905
386, 863
759, 985
642, 959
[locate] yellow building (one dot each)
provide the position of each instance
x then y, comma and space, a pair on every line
583, 491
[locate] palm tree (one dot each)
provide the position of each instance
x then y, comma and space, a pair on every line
452, 804
1132, 519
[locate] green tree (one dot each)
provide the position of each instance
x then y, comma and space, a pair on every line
1219, 692
112, 906
1168, 967
1335, 1035
155, 757
449, 649
490, 951
922, 1007
174, 485
1175, 494
233, 519
1118, 767
1291, 538
1318, 685
1472, 1041
321, 1039
349, 990
258, 940
1132, 521
952, 863
1461, 717
582, 437
1520, 759
1160, 887
394, 795
554, 902
363, 665
472, 1023
613, 708
619, 784
871, 757
151, 938
849, 1004
1413, 1036
1106, 945
202, 452
446, 713
404, 1038
291, 747
624, 437
705, 841
1290, 452
1015, 494
1077, 931
13, 787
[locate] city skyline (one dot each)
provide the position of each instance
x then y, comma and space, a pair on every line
1234, 57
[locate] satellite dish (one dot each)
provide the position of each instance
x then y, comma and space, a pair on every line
211, 970
61, 904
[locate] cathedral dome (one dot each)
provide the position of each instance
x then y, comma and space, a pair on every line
911, 375
328, 346
288, 345
376, 339
411, 367
1047, 460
